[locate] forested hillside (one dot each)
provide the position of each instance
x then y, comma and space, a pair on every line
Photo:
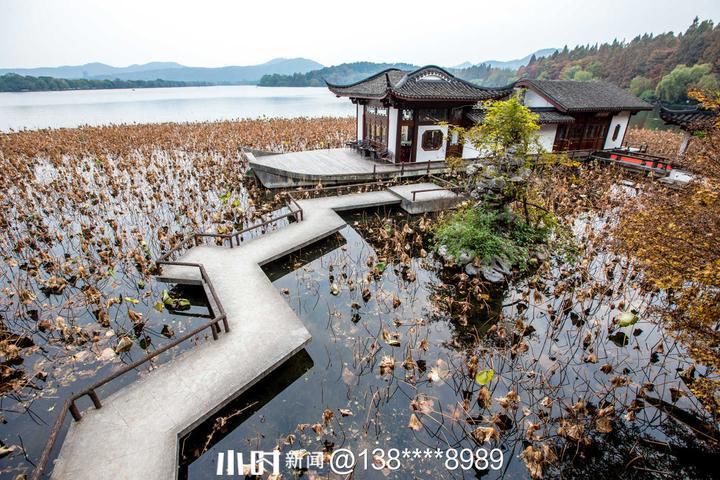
652, 66
340, 74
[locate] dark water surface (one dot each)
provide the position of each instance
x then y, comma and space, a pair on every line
439, 327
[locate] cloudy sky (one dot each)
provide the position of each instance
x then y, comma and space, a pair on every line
226, 32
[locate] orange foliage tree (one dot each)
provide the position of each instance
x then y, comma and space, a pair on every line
673, 235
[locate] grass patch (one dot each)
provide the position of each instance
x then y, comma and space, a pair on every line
487, 233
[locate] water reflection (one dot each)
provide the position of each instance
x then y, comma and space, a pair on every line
198, 449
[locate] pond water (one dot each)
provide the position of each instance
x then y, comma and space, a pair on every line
73, 352
73, 108
398, 342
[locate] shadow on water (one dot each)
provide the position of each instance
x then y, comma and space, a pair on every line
197, 449
281, 267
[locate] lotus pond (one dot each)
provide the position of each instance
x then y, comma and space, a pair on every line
409, 353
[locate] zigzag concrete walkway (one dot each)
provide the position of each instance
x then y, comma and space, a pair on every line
134, 435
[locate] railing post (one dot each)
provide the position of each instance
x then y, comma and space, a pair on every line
428, 170
74, 411
374, 171
214, 328
95, 399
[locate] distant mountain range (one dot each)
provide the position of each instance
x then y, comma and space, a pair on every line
299, 72
172, 71
511, 64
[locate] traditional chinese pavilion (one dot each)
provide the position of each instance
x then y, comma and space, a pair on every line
689, 120
406, 114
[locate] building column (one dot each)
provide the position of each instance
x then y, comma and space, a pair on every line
360, 117
392, 131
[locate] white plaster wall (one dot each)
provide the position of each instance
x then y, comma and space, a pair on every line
432, 155
546, 136
534, 100
392, 130
360, 115
622, 119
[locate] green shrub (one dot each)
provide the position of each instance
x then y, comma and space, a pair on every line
486, 234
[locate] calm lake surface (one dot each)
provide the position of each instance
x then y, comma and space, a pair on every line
73, 108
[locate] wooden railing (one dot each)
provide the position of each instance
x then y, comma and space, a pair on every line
70, 404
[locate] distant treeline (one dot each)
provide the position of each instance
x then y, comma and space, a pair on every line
486, 75
346, 73
12, 82
339, 74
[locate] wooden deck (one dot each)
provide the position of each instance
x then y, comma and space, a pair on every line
331, 167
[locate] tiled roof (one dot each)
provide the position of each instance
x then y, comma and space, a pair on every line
426, 83
435, 83
689, 119
574, 96
375, 86
547, 115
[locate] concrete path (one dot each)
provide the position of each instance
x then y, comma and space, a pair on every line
425, 197
134, 435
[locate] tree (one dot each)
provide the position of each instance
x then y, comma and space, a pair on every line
672, 236
508, 141
491, 230
640, 84
583, 76
674, 86
506, 124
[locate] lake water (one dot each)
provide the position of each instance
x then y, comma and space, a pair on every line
154, 105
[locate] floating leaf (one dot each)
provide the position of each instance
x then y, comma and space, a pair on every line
167, 331
627, 318
136, 317
619, 339
484, 377
124, 345
415, 423
182, 304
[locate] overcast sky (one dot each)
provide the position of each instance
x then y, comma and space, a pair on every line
225, 32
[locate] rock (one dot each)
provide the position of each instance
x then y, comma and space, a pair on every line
502, 265
465, 257
443, 251
471, 270
499, 184
492, 275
